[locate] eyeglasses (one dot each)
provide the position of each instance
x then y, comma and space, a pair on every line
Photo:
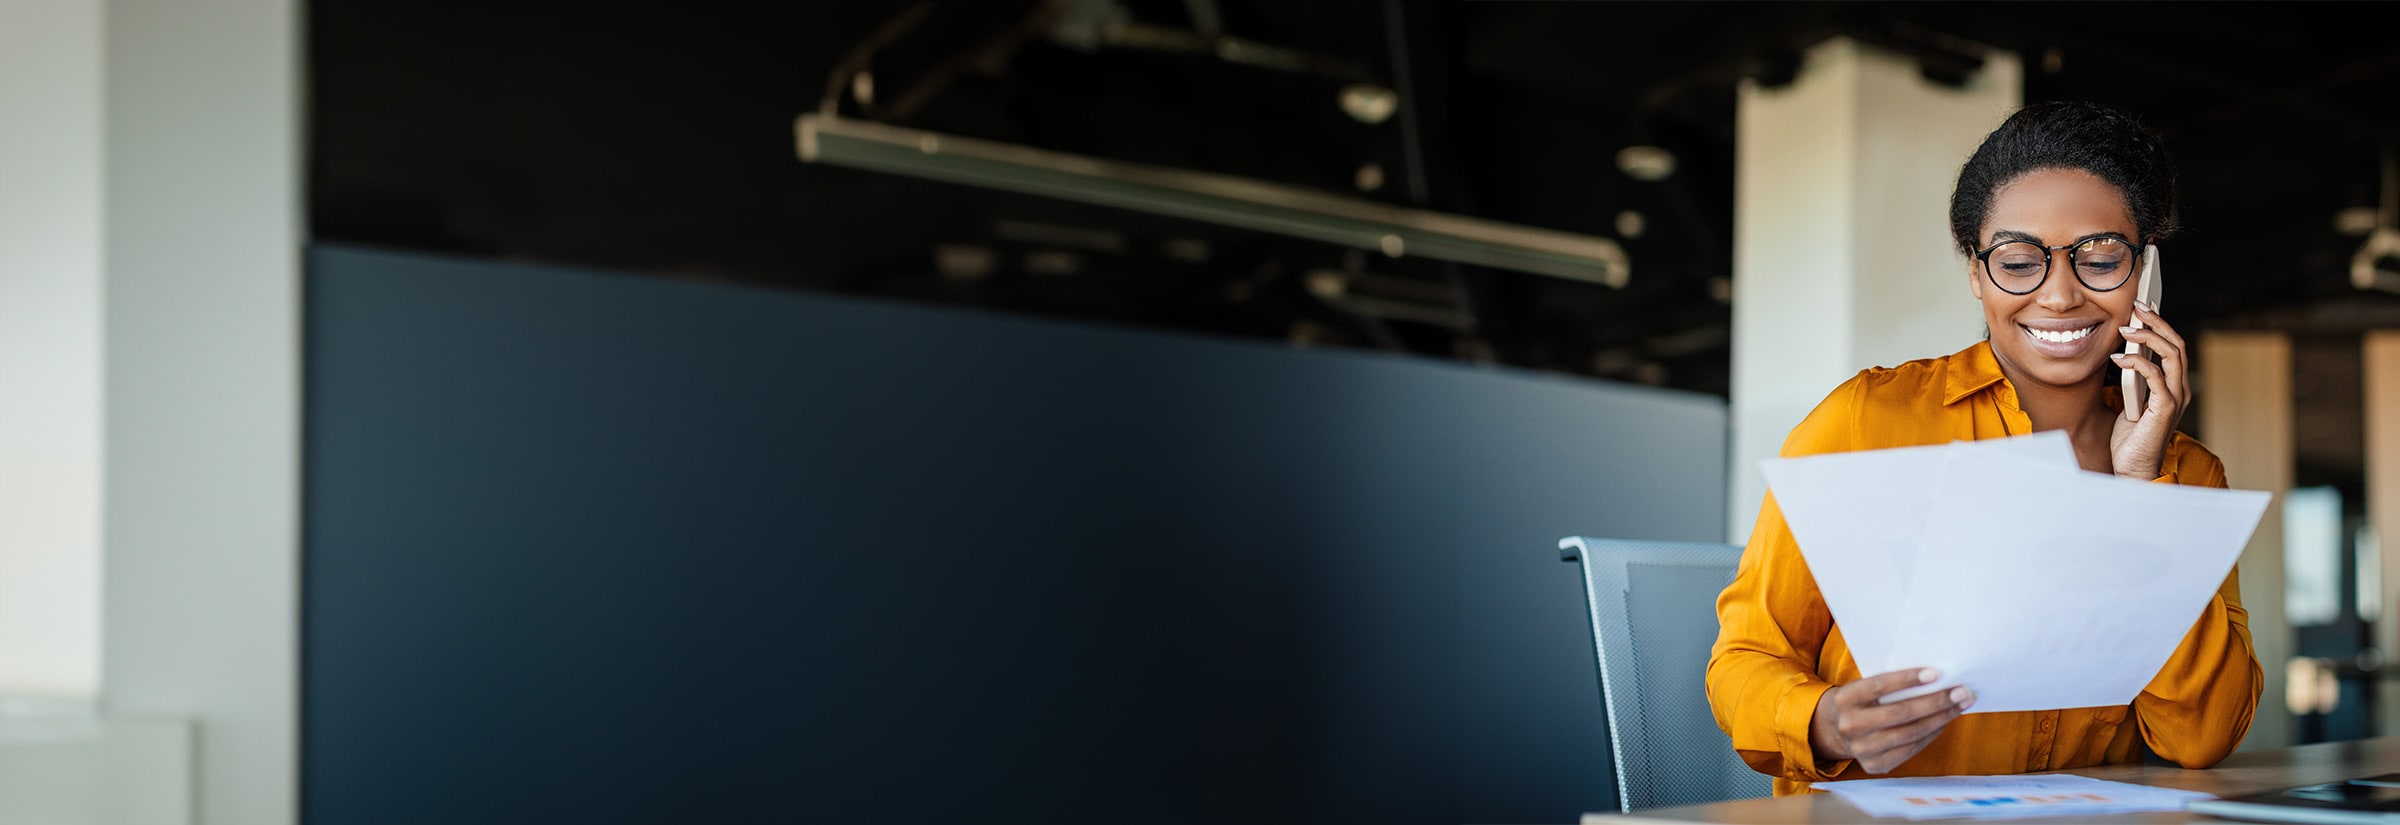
2018, 267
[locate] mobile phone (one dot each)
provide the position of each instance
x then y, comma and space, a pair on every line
2145, 290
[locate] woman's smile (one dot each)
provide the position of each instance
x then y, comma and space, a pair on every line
2066, 339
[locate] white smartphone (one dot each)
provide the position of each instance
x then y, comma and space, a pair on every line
2145, 290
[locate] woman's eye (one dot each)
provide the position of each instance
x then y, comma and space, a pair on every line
2020, 267
2100, 267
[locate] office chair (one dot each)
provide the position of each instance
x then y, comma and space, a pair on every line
1654, 618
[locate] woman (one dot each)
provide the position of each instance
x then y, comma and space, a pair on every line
2052, 211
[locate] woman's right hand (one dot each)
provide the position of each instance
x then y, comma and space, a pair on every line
1852, 722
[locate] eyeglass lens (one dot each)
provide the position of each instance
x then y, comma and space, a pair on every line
2100, 263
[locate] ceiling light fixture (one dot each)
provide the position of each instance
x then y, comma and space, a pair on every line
1221, 199
2356, 221
1390, 298
1644, 162
1631, 224
1369, 103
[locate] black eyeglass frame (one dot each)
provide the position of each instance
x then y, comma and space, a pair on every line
1984, 257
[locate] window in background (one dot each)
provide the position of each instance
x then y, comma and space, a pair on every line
2368, 555
2329, 576
2312, 555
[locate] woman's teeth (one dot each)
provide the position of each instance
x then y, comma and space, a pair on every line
2061, 337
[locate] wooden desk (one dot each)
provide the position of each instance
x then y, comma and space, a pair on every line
2241, 773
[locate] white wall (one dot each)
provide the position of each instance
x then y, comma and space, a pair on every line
50, 136
73, 769
202, 418
1842, 256
149, 340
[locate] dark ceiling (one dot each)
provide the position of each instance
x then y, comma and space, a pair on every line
656, 138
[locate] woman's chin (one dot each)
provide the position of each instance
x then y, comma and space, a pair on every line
2064, 374
2039, 368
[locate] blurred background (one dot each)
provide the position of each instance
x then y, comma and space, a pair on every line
636, 138
653, 140
622, 411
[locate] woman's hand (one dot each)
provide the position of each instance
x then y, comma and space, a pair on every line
1852, 722
2138, 444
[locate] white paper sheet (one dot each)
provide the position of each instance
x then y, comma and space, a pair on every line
2036, 584
2004, 797
1861, 513
2043, 590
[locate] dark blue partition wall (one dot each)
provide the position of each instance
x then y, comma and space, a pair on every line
588, 548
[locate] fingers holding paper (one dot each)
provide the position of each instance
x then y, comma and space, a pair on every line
1853, 721
2138, 443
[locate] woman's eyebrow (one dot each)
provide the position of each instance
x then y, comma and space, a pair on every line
2014, 235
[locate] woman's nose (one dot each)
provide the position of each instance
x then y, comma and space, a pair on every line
2062, 290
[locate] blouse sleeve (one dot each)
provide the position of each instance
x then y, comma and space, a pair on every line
2202, 701
1772, 625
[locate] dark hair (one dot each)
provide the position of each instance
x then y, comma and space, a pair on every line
2068, 135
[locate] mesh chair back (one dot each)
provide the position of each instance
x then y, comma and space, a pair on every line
1654, 618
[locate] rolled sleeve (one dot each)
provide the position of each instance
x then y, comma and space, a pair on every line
1793, 716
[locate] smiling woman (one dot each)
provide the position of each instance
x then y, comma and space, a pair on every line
2057, 182
2097, 184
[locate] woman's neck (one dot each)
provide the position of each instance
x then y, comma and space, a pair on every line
2076, 408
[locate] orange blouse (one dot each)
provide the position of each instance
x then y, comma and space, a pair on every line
1778, 649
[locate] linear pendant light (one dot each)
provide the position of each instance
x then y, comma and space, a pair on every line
1221, 199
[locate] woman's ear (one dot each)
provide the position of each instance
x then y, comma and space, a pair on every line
1974, 279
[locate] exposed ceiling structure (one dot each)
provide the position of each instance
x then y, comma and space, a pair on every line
656, 138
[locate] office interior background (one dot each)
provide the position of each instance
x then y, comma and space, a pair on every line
443, 412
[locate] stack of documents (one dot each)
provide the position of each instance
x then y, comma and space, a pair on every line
2004, 797
2037, 584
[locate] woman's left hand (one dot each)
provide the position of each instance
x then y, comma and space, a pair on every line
2138, 444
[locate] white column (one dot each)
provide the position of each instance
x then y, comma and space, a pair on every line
2243, 386
2381, 371
1842, 254
148, 411
50, 134
202, 337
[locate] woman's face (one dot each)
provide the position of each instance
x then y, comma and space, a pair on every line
2062, 332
